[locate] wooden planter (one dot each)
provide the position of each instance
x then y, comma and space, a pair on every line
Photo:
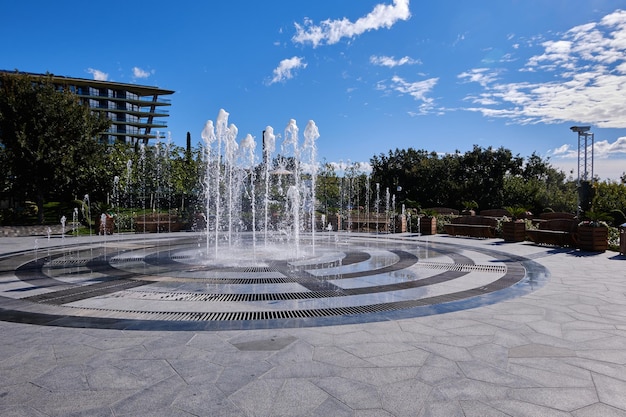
514, 231
428, 225
592, 239
106, 228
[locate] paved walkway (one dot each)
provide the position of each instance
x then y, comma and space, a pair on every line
558, 351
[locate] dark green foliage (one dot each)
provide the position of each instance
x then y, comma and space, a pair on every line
491, 178
47, 139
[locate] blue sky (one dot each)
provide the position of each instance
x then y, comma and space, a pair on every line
374, 75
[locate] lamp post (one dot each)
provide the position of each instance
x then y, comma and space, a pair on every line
585, 166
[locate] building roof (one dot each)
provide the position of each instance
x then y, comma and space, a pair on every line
142, 90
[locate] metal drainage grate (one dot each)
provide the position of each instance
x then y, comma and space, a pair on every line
235, 297
126, 259
66, 263
512, 276
499, 269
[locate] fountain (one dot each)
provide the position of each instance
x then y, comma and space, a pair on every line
247, 271
234, 186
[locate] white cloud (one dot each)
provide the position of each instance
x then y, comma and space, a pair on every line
389, 61
98, 75
605, 149
482, 76
341, 167
609, 158
564, 151
417, 90
139, 73
586, 80
332, 31
285, 69
604, 169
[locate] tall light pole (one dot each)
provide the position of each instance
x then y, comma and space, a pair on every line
585, 166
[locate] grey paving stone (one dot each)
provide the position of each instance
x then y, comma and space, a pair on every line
493, 354
473, 408
63, 403
63, 378
611, 391
565, 399
19, 394
410, 358
555, 352
268, 344
167, 412
372, 349
152, 399
481, 371
599, 367
196, 371
599, 409
331, 407
464, 389
442, 409
207, 400
435, 375
405, 398
355, 394
20, 411
525, 409
535, 350
551, 378
372, 413
297, 397
257, 397
333, 355
297, 351
233, 378
454, 353
380, 376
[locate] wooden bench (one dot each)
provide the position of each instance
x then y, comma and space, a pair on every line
473, 226
495, 213
443, 211
556, 232
157, 223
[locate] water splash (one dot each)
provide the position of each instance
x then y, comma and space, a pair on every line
235, 184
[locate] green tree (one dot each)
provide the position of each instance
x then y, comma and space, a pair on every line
328, 190
610, 197
482, 173
47, 138
539, 186
494, 178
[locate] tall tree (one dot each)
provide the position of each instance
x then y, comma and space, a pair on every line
47, 136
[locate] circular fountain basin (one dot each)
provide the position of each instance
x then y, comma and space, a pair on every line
177, 283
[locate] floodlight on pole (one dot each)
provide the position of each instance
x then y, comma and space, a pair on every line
585, 152
585, 167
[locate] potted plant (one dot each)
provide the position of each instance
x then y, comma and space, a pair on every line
514, 229
469, 208
428, 222
592, 234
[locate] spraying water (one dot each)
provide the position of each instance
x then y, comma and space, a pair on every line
311, 134
269, 146
233, 190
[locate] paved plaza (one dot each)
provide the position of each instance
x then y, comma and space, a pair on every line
551, 347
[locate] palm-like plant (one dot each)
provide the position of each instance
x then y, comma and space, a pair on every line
515, 212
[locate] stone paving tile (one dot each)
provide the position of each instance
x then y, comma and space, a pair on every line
565, 399
598, 409
555, 352
611, 391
